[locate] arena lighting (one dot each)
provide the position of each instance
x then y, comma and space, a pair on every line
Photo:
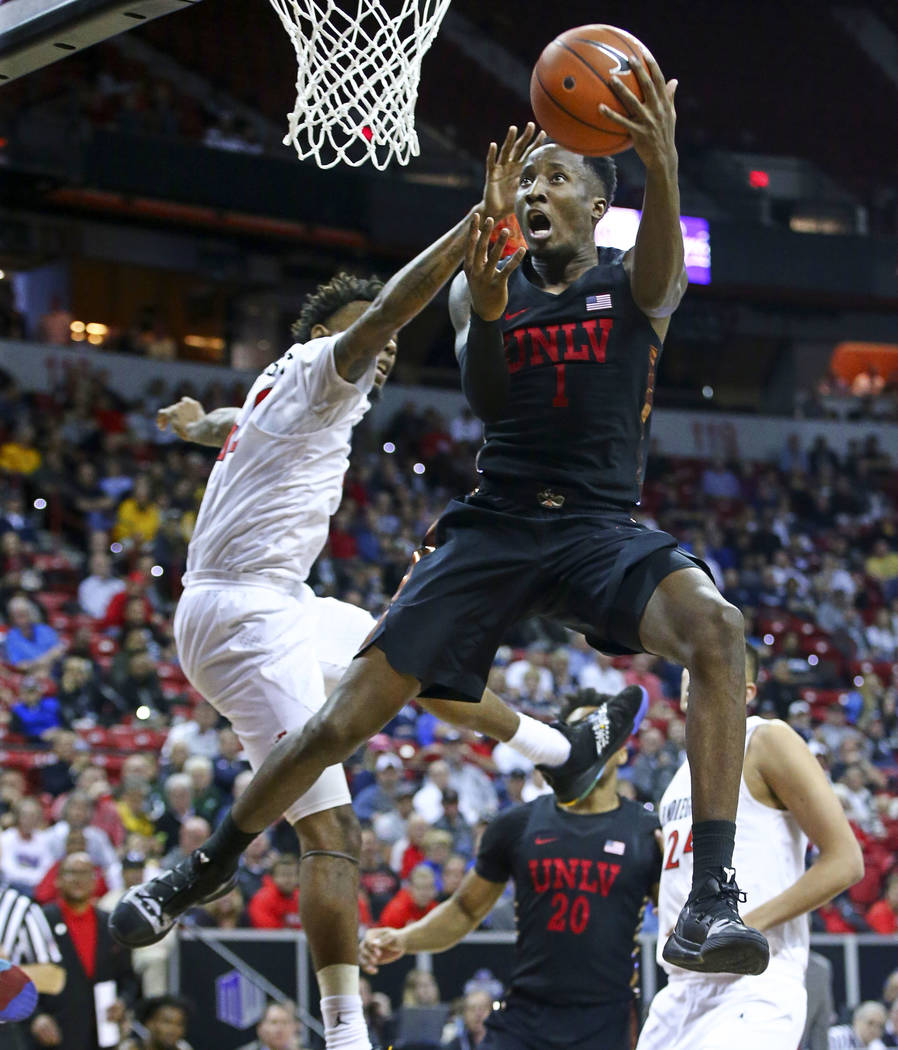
95, 339
157, 571
618, 230
419, 468
77, 326
768, 639
707, 392
143, 712
858, 680
758, 179
40, 503
208, 342
813, 659
389, 448
95, 328
406, 751
2, 274
116, 547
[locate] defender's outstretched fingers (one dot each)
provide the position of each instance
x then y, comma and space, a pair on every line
473, 238
513, 263
482, 251
498, 246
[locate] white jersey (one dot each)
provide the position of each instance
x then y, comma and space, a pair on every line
769, 856
279, 477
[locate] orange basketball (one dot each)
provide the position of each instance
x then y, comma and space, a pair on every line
573, 78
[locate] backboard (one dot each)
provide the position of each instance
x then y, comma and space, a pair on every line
34, 33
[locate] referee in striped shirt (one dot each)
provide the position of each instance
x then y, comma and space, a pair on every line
25, 937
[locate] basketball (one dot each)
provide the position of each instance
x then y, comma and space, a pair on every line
572, 78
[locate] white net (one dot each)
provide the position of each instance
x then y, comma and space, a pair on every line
357, 78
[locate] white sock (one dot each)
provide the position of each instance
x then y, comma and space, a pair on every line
344, 1023
540, 743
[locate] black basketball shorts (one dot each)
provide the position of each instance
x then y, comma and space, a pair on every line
524, 1024
489, 562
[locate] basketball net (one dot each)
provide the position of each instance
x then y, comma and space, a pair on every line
357, 78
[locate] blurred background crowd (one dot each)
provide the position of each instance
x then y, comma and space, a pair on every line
108, 751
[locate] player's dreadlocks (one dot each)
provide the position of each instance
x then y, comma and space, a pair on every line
328, 298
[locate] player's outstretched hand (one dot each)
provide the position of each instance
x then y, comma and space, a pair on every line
379, 947
651, 123
503, 169
180, 416
487, 284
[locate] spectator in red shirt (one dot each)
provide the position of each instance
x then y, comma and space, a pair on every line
414, 901
276, 905
135, 587
883, 915
47, 890
640, 673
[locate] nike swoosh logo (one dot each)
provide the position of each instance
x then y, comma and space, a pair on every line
517, 313
542, 842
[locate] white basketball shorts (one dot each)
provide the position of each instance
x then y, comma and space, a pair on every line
266, 660
748, 1013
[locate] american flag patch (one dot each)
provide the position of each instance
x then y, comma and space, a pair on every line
598, 302
613, 846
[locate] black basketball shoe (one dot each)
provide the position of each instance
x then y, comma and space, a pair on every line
147, 912
594, 741
709, 935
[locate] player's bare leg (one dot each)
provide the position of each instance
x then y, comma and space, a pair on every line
328, 906
370, 693
688, 621
570, 757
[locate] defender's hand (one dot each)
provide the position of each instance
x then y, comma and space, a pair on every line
180, 416
503, 169
380, 947
487, 284
651, 122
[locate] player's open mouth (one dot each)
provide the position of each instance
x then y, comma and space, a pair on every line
539, 225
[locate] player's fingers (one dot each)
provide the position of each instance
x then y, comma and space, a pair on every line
643, 77
508, 144
619, 118
670, 88
522, 141
481, 252
162, 418
513, 263
654, 73
473, 237
495, 252
491, 157
626, 96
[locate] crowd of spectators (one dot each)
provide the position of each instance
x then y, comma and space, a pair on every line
107, 750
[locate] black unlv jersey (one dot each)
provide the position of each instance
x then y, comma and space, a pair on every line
582, 370
581, 883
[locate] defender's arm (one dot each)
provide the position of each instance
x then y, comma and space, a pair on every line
795, 778
189, 420
440, 929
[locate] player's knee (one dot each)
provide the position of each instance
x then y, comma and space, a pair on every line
718, 631
332, 829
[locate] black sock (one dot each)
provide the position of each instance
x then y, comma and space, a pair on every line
712, 844
226, 843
